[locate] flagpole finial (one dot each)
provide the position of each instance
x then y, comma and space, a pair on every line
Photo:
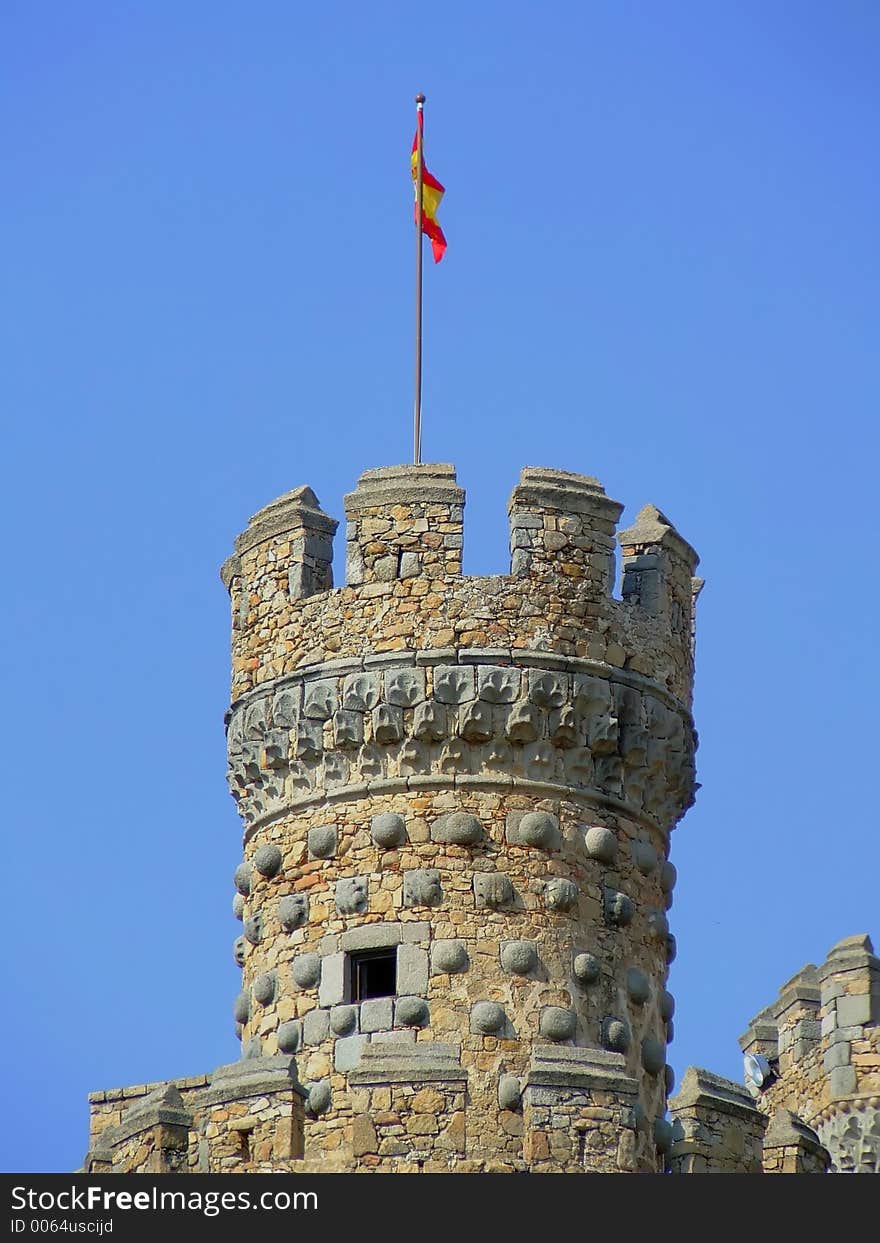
420, 99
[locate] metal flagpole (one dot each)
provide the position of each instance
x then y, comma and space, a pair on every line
420, 164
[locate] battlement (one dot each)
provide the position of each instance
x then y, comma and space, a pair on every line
405, 590
821, 1037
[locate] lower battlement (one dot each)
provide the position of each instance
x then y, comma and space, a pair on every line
407, 1108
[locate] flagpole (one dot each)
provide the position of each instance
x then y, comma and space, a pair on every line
420, 164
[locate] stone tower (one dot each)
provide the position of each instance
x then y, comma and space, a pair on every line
457, 796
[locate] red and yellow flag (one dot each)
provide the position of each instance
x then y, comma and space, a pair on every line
432, 193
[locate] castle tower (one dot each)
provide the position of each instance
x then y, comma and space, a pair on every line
457, 795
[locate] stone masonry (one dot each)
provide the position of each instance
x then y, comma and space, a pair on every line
457, 796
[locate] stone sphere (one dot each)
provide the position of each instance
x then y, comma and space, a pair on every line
671, 947
318, 1099
586, 968
238, 906
658, 924
615, 1035
239, 949
252, 1049
264, 988
638, 986
509, 1092
653, 1055
343, 1020
449, 956
669, 1079
601, 843
289, 1036
241, 1009
242, 878
388, 829
666, 1005
557, 1023
306, 970
668, 876
322, 841
537, 828
662, 1132
411, 1011
644, 857
267, 860
462, 829
519, 957
488, 1017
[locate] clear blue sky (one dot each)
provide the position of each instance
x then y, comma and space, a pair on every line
662, 270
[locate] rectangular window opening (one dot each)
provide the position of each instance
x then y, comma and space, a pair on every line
374, 974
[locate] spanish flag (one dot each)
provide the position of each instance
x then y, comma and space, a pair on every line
432, 193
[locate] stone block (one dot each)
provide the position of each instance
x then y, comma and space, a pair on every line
842, 1081
334, 970
837, 1055
316, 1026
412, 969
376, 1014
856, 1009
347, 1052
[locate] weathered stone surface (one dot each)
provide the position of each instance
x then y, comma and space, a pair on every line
601, 844
293, 911
289, 1036
587, 968
352, 895
457, 829
322, 841
411, 1011
487, 1017
267, 860
421, 887
492, 890
557, 1023
388, 830
560, 894
448, 957
519, 957
306, 970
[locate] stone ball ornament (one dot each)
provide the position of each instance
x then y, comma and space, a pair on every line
601, 843
289, 1036
538, 828
388, 830
488, 1017
306, 970
586, 968
449, 957
519, 957
267, 860
557, 1023
242, 878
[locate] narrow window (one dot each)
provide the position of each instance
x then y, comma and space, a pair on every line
373, 974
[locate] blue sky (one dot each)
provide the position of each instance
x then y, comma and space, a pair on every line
662, 270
